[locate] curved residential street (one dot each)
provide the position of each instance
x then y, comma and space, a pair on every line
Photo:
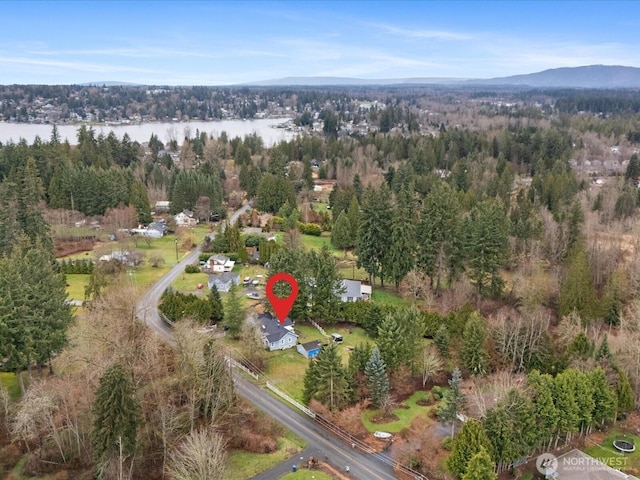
321, 443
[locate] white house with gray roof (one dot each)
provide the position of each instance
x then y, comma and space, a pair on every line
276, 335
354, 290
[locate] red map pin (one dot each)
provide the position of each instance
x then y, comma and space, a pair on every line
282, 306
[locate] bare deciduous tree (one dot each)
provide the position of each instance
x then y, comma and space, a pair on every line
431, 364
415, 286
200, 455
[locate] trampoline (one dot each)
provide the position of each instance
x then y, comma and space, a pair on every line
624, 444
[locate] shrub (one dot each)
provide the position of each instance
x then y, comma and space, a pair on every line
447, 443
192, 269
310, 229
438, 392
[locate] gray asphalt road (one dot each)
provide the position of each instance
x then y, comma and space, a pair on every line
362, 466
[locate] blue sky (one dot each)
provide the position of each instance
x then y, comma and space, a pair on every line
220, 43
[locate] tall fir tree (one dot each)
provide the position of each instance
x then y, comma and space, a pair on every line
402, 246
480, 467
474, 354
377, 379
453, 400
487, 245
234, 314
216, 305
117, 415
374, 236
439, 235
331, 386
471, 440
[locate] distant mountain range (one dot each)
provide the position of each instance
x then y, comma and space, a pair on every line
592, 76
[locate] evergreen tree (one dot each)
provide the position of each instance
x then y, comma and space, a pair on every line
399, 336
577, 291
471, 440
487, 245
474, 355
603, 351
216, 305
442, 340
480, 467
374, 236
140, 201
341, 233
307, 174
439, 235
116, 420
353, 214
626, 399
273, 191
633, 168
327, 286
402, 244
545, 409
604, 398
326, 379
34, 314
234, 314
377, 379
453, 400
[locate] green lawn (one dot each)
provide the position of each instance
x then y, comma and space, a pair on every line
188, 282
386, 296
243, 465
75, 285
286, 370
607, 454
316, 243
11, 384
405, 415
306, 475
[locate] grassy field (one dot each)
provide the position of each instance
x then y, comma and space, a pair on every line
405, 415
11, 384
306, 475
608, 455
188, 282
75, 285
242, 465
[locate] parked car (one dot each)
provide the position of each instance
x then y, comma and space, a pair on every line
254, 296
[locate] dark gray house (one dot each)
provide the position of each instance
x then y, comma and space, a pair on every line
276, 335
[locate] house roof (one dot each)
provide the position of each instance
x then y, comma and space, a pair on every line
309, 346
225, 277
272, 329
219, 258
352, 288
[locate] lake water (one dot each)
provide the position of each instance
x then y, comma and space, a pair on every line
165, 131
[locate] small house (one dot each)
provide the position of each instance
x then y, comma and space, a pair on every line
354, 290
309, 349
183, 219
223, 281
276, 335
219, 263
